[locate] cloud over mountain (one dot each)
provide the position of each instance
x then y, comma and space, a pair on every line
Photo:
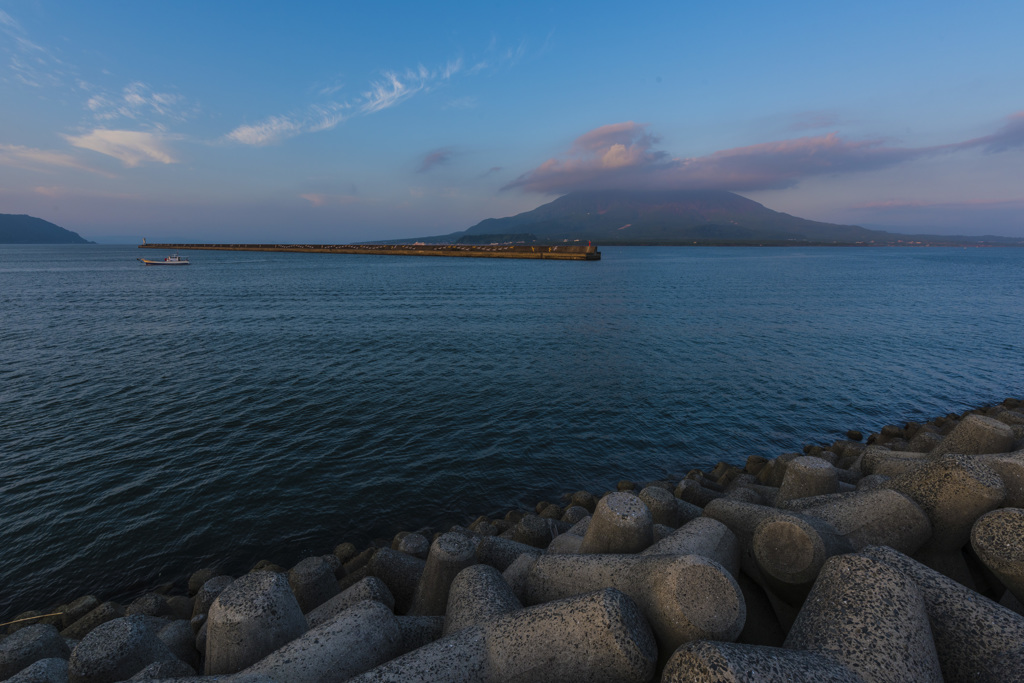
623, 156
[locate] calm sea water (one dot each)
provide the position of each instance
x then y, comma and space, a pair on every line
251, 406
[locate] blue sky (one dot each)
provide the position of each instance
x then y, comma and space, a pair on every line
332, 122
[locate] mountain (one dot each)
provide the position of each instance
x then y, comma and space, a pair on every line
671, 217
664, 216
22, 229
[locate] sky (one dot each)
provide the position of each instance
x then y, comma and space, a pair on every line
334, 122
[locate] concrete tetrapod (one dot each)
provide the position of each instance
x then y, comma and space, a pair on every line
50, 670
1010, 468
976, 434
621, 523
713, 662
400, 572
953, 490
596, 637
873, 517
116, 650
353, 641
870, 617
807, 476
705, 537
998, 539
790, 551
684, 597
370, 588
976, 639
478, 594
449, 555
313, 583
251, 618
30, 644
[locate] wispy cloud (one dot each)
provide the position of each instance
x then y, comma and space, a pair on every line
137, 100
32, 64
43, 160
623, 156
390, 89
435, 158
130, 147
276, 128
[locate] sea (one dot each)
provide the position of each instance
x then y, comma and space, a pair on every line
254, 406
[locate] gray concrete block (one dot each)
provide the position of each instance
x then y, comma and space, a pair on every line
684, 597
153, 604
449, 554
662, 505
621, 523
313, 583
537, 531
254, 616
208, 592
705, 537
501, 552
51, 670
161, 671
76, 609
28, 645
351, 642
891, 463
807, 476
694, 493
181, 641
414, 544
100, 615
478, 594
976, 639
998, 540
599, 637
879, 517
400, 573
1010, 468
977, 434
790, 551
852, 615
953, 490
419, 631
711, 662
116, 650
199, 577
574, 513
370, 588
565, 544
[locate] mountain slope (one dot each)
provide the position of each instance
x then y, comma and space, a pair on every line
22, 229
665, 216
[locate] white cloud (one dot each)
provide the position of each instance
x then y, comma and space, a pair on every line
131, 147
390, 89
33, 159
138, 100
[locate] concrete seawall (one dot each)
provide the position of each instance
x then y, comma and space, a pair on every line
556, 252
895, 558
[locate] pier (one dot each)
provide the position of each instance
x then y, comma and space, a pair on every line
557, 252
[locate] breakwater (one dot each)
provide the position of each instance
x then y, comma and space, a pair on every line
556, 252
896, 558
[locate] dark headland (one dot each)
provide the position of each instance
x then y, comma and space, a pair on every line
23, 229
898, 558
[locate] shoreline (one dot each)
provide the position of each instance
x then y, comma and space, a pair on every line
730, 500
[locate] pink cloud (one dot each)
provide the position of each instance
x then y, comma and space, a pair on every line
622, 156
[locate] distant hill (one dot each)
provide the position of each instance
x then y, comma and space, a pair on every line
22, 229
670, 217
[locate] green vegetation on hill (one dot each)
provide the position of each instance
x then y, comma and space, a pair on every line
22, 229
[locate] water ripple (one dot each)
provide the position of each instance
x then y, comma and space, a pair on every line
156, 420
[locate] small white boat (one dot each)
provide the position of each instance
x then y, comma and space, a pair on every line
172, 260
